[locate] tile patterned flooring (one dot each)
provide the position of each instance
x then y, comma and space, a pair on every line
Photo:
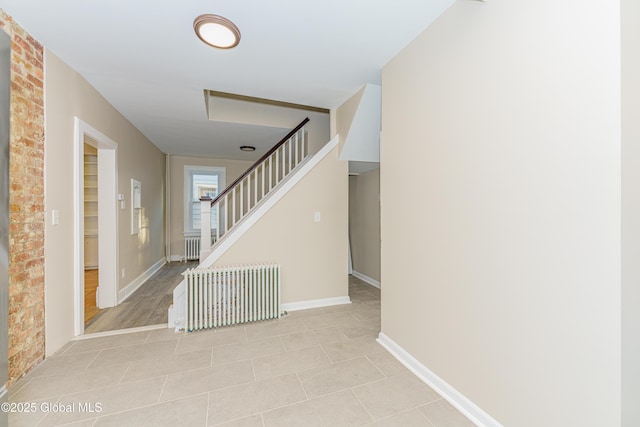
319, 367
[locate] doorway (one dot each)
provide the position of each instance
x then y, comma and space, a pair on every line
96, 230
91, 235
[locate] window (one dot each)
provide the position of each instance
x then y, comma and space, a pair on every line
200, 181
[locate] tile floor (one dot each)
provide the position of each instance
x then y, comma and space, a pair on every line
319, 367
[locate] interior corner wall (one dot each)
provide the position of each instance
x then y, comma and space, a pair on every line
364, 223
345, 113
26, 323
630, 14
501, 262
68, 95
234, 169
313, 255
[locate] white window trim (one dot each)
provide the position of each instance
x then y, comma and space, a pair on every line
188, 170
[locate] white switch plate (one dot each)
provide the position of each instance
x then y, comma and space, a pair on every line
317, 217
55, 217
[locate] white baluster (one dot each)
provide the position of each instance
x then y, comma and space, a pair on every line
290, 142
255, 188
242, 198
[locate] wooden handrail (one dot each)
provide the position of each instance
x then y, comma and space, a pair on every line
259, 161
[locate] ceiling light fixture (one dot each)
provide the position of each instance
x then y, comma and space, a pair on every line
216, 31
247, 148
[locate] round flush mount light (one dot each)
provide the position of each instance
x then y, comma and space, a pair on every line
216, 31
247, 148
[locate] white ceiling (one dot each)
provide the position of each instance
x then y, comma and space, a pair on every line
145, 59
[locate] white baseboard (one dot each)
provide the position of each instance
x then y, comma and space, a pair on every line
139, 281
315, 303
367, 279
469, 409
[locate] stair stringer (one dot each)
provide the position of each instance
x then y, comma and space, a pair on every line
176, 310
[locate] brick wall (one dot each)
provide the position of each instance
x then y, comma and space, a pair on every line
26, 202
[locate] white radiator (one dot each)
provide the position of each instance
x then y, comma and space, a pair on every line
228, 296
191, 248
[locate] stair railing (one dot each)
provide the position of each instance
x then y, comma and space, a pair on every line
239, 198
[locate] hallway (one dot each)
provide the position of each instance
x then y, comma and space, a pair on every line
319, 367
147, 306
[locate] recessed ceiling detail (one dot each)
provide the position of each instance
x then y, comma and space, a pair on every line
216, 31
233, 108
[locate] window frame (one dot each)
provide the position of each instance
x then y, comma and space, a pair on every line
189, 171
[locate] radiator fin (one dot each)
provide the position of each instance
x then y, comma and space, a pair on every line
231, 295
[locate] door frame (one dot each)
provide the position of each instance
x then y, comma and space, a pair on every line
107, 220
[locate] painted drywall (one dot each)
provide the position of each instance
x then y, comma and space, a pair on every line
364, 223
344, 115
500, 185
362, 143
234, 169
69, 95
313, 255
630, 13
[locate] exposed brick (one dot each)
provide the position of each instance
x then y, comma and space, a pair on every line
26, 202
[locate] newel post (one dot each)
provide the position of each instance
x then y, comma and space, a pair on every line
205, 228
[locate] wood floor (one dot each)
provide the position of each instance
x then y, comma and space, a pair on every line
90, 288
145, 307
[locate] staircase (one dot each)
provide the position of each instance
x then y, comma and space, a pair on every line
236, 203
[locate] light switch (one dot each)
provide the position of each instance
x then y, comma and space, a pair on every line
55, 217
316, 217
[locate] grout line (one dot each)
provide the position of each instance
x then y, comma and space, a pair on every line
166, 380
362, 404
425, 416
146, 406
302, 386
376, 366
206, 418
46, 415
93, 360
253, 370
124, 374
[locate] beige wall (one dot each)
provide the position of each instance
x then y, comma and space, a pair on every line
345, 113
501, 255
69, 95
234, 169
313, 255
318, 128
630, 213
364, 223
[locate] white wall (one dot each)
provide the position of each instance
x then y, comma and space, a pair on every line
501, 255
